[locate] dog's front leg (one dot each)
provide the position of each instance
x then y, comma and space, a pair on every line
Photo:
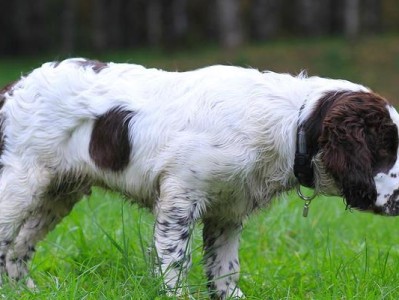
176, 213
221, 241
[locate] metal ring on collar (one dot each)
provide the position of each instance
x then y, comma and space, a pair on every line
302, 196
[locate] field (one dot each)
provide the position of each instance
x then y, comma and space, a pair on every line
100, 251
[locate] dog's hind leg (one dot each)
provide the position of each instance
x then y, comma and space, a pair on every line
221, 241
20, 191
53, 208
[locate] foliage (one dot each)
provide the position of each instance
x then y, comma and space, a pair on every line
372, 61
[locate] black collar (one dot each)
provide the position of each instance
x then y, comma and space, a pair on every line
303, 168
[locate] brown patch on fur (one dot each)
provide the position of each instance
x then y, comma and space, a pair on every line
6, 89
110, 144
357, 138
2, 140
56, 64
95, 65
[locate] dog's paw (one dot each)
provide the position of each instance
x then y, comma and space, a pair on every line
237, 294
30, 284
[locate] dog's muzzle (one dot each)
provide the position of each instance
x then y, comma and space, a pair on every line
391, 207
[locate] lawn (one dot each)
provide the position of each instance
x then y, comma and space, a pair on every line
100, 251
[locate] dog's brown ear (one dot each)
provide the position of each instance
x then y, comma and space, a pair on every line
347, 157
348, 141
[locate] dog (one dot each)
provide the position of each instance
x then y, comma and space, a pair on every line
213, 144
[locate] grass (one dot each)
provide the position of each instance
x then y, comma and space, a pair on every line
100, 250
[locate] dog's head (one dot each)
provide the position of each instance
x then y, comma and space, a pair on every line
358, 144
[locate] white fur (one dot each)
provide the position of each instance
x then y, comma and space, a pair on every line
213, 143
385, 183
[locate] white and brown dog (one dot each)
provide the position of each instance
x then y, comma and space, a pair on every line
213, 144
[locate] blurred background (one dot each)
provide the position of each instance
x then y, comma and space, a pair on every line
65, 26
352, 39
338, 255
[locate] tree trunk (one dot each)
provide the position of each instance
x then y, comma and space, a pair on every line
154, 22
372, 16
99, 32
230, 28
314, 17
265, 18
8, 41
30, 25
175, 22
114, 24
68, 30
351, 18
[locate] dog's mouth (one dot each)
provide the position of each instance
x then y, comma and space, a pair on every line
387, 210
390, 207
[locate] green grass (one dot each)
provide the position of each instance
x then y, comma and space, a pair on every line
100, 250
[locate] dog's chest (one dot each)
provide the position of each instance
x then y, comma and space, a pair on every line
237, 201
